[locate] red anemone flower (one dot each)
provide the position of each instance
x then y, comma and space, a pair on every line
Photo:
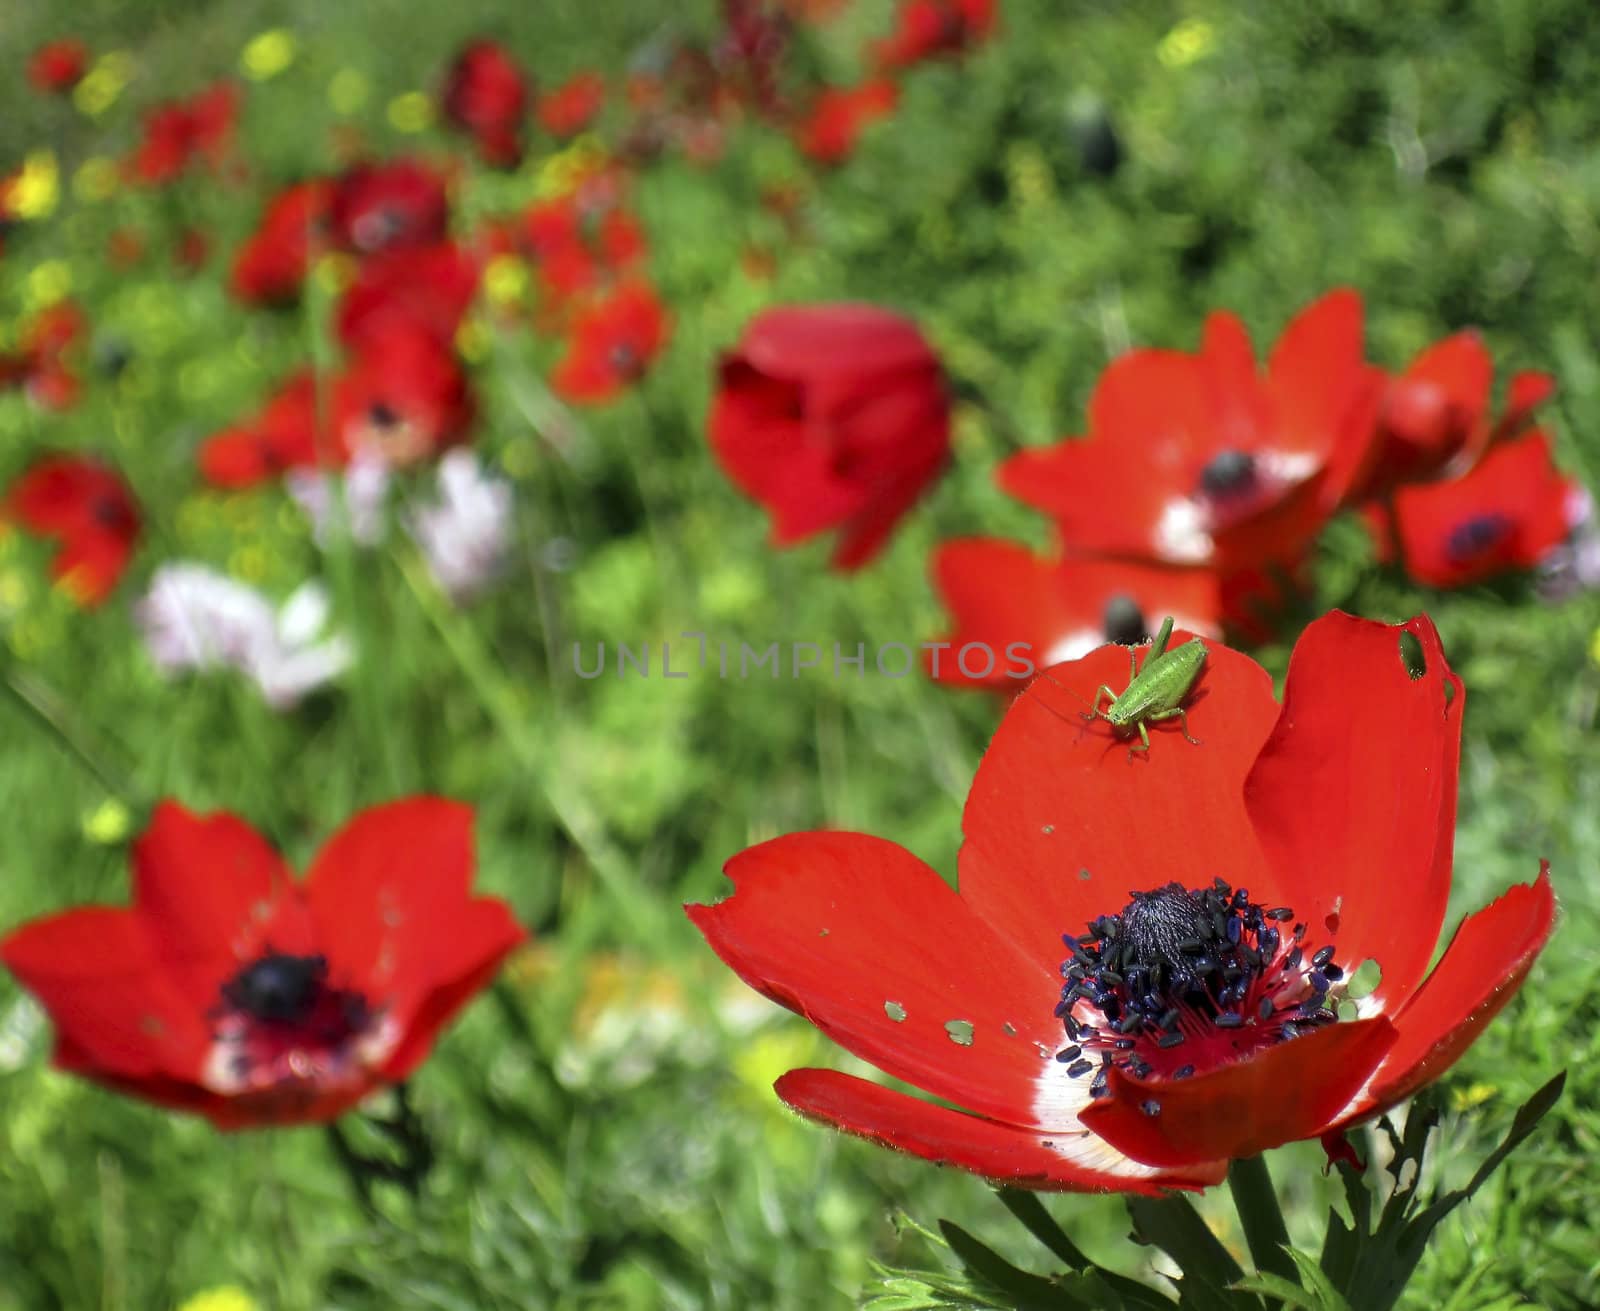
272, 263
387, 206
573, 105
486, 95
282, 437
404, 396
424, 289
58, 66
1208, 1013
832, 416
233, 991
1201, 460
1019, 612
1436, 417
839, 115
614, 341
929, 28
40, 365
89, 510
577, 244
1508, 513
180, 131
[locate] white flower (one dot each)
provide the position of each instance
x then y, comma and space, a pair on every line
196, 618
364, 486
465, 534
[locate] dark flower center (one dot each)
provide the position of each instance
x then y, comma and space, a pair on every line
1185, 980
281, 1021
1476, 537
625, 359
1228, 474
1124, 621
382, 416
109, 512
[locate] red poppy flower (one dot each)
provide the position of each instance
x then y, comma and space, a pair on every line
58, 66
1201, 460
89, 510
426, 289
1019, 612
838, 117
40, 364
178, 132
573, 105
613, 343
403, 396
272, 263
578, 242
1205, 1015
486, 95
929, 28
233, 991
832, 416
1507, 513
1436, 417
388, 206
282, 437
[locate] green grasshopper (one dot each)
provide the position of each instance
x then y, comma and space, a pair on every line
1154, 693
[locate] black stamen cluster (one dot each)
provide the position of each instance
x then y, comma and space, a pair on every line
1175, 959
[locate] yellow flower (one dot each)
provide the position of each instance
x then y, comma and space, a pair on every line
472, 340
1594, 647
411, 112
103, 83
1475, 1094
333, 273
267, 54
348, 91
107, 823
49, 282
1191, 40
506, 279
35, 190
96, 179
228, 1297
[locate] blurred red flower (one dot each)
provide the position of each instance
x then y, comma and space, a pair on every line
1201, 460
88, 509
929, 28
838, 116
578, 243
403, 396
573, 105
1436, 417
58, 66
1198, 1018
1026, 612
272, 263
388, 206
613, 342
1507, 513
486, 95
424, 288
40, 365
832, 416
178, 132
233, 991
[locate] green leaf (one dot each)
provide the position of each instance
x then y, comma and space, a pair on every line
1173, 1225
1042, 1225
1030, 1292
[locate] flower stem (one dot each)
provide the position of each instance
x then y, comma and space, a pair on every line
1250, 1182
41, 704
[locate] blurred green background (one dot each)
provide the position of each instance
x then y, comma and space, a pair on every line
605, 1127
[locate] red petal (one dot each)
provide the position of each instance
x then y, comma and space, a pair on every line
850, 930
467, 960
1061, 825
1279, 1095
1460, 366
209, 888
1528, 391
1001, 1152
117, 1013
1354, 797
805, 342
90, 564
1229, 364
389, 892
1484, 965
1312, 369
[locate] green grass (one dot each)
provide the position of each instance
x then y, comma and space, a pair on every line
635, 1156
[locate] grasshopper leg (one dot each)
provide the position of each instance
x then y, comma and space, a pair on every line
1144, 739
1182, 716
1095, 712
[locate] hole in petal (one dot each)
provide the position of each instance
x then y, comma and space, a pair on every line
960, 1031
894, 1010
1411, 655
1365, 980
